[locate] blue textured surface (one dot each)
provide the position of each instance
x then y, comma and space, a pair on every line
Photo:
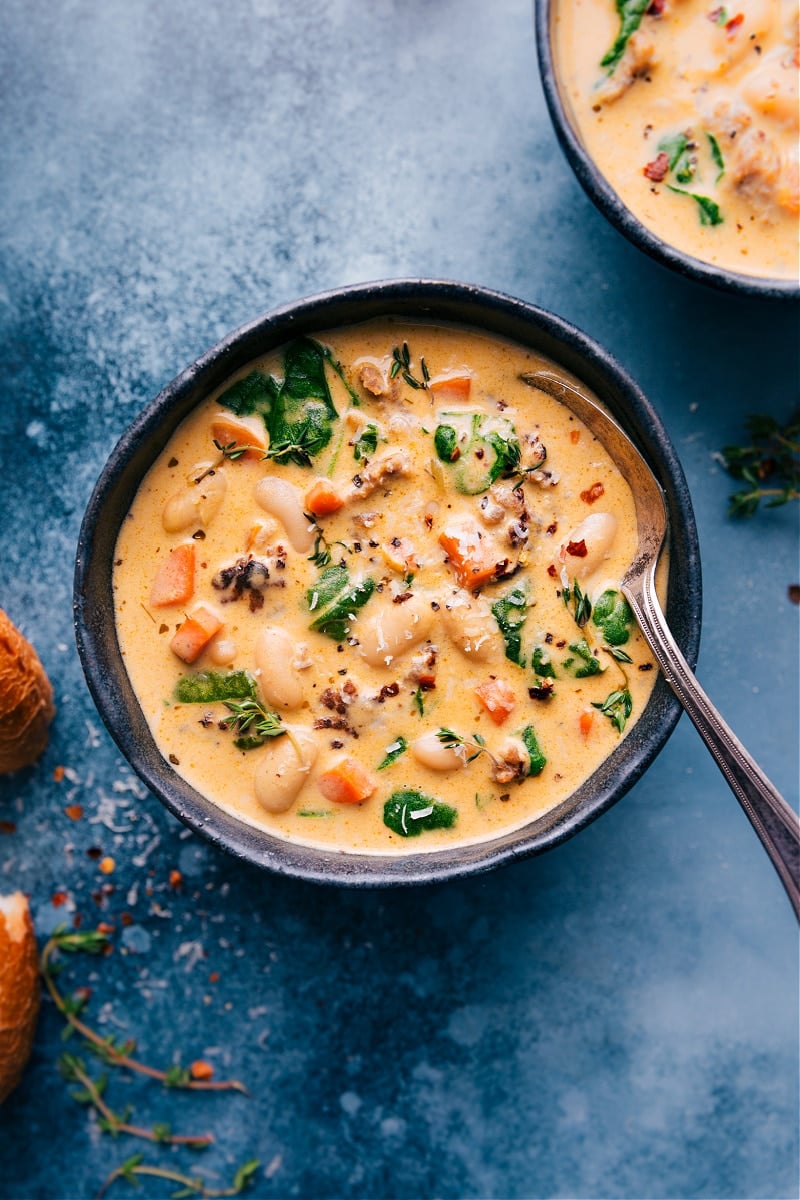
616, 1019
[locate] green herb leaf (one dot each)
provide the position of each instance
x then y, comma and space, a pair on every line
511, 612
366, 443
209, 687
769, 465
581, 604
253, 716
613, 616
630, 15
445, 442
409, 813
337, 601
542, 663
302, 412
716, 154
538, 761
255, 393
393, 752
419, 701
477, 449
709, 210
617, 706
591, 665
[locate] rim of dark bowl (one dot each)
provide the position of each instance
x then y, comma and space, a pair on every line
407, 299
600, 191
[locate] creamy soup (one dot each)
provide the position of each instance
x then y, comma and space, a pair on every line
690, 110
367, 595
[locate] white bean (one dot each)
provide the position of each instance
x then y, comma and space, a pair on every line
392, 629
430, 752
283, 500
598, 531
196, 503
279, 681
222, 651
284, 771
469, 624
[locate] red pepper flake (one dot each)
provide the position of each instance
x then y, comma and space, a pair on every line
175, 880
58, 898
577, 549
8, 827
58, 774
105, 927
82, 994
715, 15
551, 571
574, 436
214, 977
427, 683
793, 591
734, 24
657, 169
126, 919
593, 493
200, 1069
94, 852
656, 8
552, 527
74, 811
77, 920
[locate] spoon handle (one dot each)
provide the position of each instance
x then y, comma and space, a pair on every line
776, 824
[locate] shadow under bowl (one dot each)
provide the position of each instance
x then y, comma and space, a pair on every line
432, 301
603, 195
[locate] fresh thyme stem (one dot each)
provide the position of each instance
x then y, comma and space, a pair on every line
118, 1124
192, 1184
110, 1053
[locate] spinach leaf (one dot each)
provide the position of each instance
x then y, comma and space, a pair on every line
677, 151
630, 16
409, 813
716, 154
301, 418
445, 441
511, 612
366, 443
709, 210
542, 663
538, 761
393, 752
337, 601
253, 394
477, 449
612, 615
207, 687
591, 665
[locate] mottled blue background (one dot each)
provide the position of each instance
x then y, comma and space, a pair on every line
616, 1019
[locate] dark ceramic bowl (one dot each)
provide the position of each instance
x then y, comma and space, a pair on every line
604, 196
143, 441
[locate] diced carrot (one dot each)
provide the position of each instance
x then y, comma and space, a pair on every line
195, 633
586, 721
322, 498
174, 581
346, 783
474, 556
243, 432
497, 697
451, 388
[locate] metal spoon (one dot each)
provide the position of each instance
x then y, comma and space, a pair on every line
776, 824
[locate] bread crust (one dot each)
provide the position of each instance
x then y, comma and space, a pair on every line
19, 989
26, 700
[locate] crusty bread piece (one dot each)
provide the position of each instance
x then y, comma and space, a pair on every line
26, 700
19, 989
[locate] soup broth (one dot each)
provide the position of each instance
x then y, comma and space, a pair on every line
367, 594
690, 110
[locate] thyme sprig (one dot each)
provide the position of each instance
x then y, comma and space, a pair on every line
401, 365
91, 1092
308, 438
581, 604
769, 465
232, 451
190, 1185
451, 741
113, 1053
251, 715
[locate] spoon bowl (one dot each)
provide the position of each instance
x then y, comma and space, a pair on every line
774, 821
